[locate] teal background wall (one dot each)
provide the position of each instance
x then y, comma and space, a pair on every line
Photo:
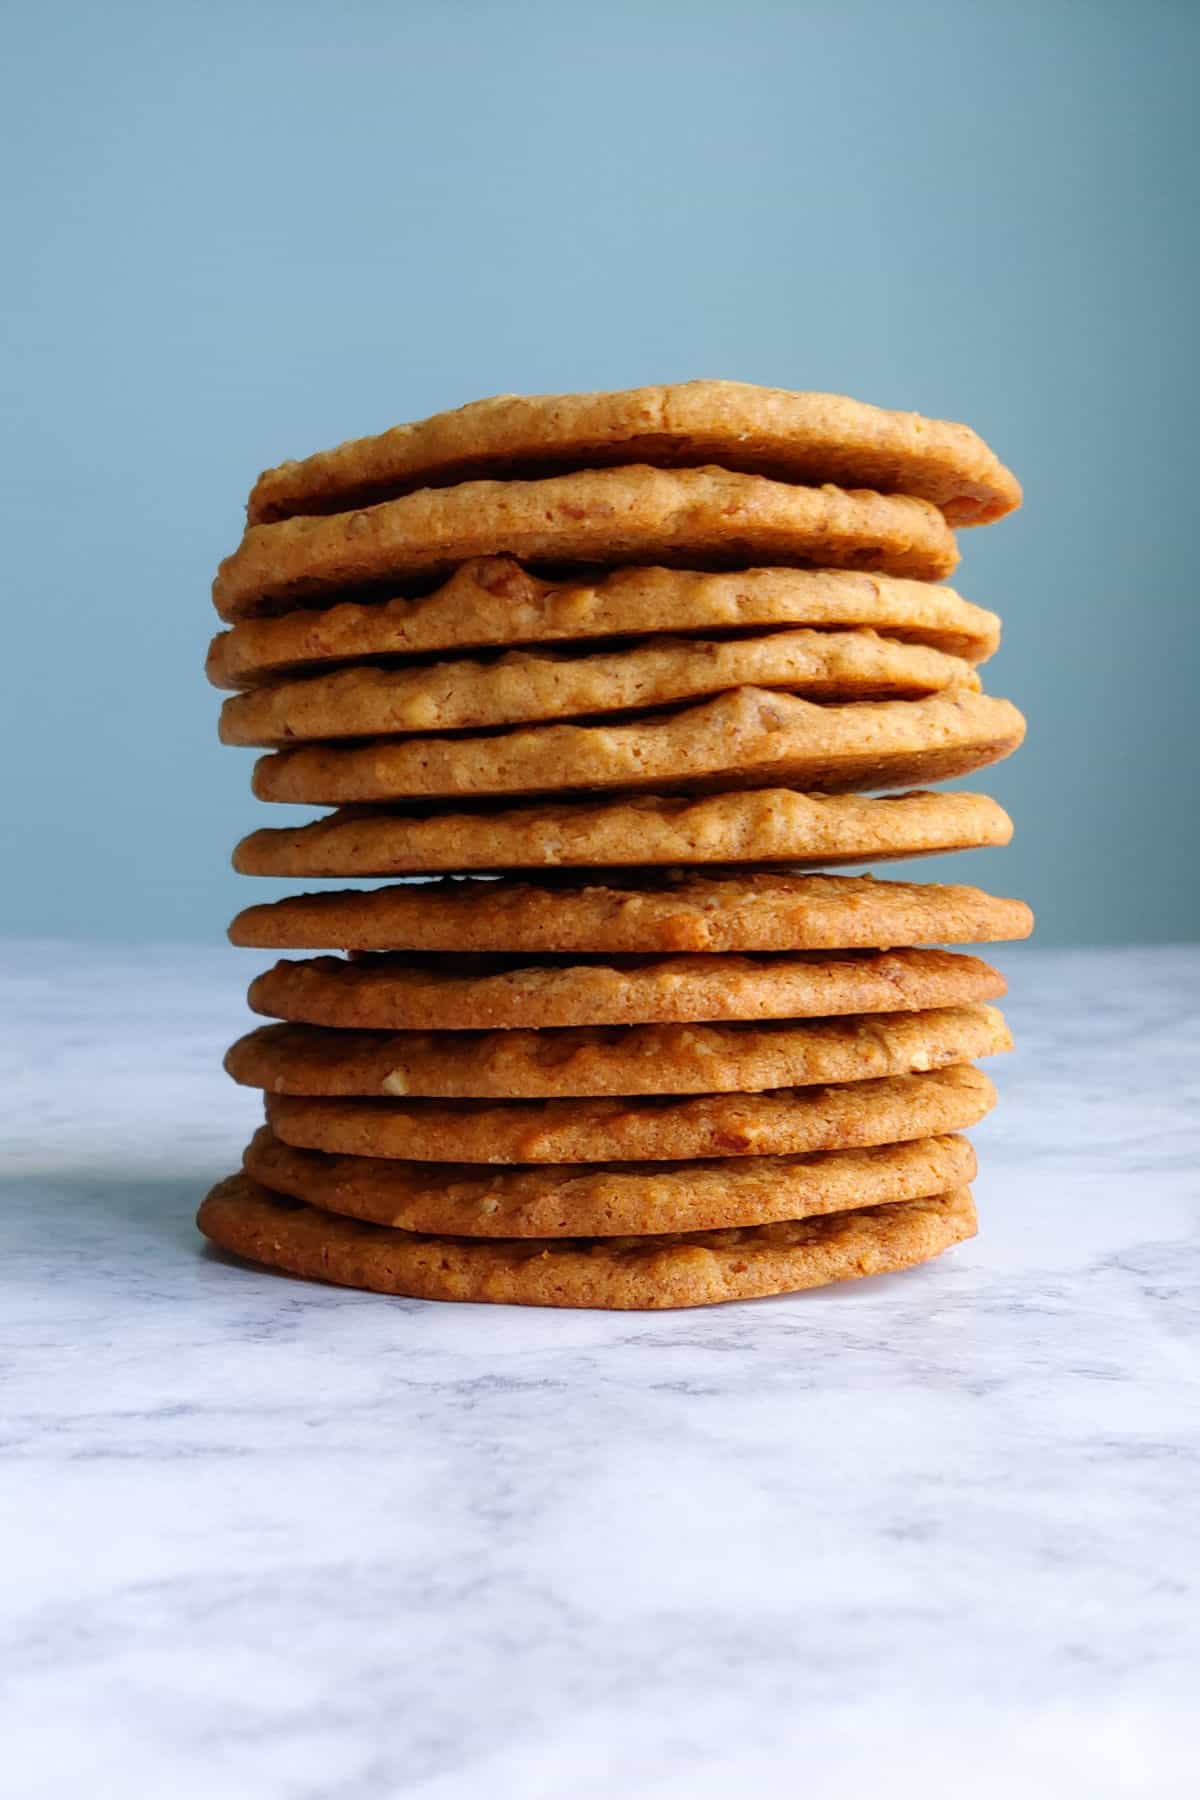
237, 232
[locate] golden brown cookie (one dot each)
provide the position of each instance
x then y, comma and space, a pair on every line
629, 1059
749, 738
692, 1269
787, 1122
679, 518
523, 686
488, 993
494, 602
769, 825
608, 1199
804, 437
675, 911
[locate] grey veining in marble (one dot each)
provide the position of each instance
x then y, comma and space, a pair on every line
935, 1533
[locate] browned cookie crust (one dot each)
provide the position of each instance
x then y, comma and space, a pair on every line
608, 1199
692, 1269
525, 687
494, 602
631, 1059
676, 912
749, 738
787, 1122
791, 436
770, 825
486, 993
682, 518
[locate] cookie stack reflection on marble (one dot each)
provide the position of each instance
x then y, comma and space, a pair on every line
623, 673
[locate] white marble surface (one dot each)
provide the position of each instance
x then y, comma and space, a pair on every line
931, 1534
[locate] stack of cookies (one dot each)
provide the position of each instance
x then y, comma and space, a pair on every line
619, 676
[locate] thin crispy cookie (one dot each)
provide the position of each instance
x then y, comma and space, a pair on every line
486, 993
492, 602
784, 1122
595, 1061
608, 1199
677, 911
685, 518
527, 686
749, 738
804, 437
767, 826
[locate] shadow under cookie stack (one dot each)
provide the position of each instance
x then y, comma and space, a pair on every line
621, 676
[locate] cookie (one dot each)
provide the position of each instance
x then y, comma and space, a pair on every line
491, 993
691, 1269
769, 825
494, 602
749, 738
527, 686
625, 1060
789, 1121
676, 911
679, 518
804, 437
608, 1199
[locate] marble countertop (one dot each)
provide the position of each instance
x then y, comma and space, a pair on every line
934, 1533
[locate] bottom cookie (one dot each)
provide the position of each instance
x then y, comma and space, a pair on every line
692, 1269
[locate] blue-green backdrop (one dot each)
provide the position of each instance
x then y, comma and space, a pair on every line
236, 232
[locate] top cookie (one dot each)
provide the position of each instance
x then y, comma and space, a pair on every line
676, 517
802, 437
